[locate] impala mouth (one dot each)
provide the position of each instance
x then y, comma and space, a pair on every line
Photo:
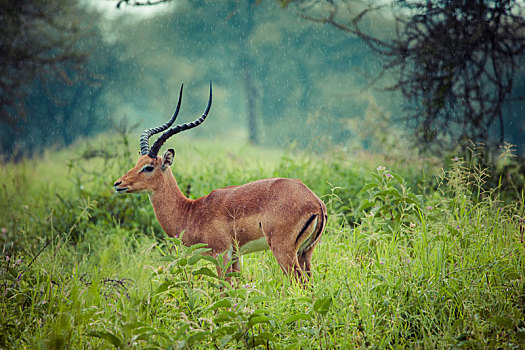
121, 189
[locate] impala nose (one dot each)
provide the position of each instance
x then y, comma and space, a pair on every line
117, 183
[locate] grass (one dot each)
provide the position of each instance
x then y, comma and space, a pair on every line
413, 258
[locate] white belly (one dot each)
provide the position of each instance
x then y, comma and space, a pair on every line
254, 246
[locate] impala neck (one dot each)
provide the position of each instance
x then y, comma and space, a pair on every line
170, 205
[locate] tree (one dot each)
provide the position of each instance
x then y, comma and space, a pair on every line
238, 26
44, 77
37, 39
455, 62
243, 23
305, 84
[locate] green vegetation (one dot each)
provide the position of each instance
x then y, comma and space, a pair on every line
406, 260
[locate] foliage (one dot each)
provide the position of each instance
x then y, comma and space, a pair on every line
391, 202
54, 71
400, 265
36, 39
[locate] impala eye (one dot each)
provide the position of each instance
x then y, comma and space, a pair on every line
147, 169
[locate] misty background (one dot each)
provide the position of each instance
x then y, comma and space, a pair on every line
77, 68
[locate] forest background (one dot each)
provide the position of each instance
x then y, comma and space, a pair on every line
302, 73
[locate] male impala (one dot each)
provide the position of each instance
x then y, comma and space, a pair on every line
278, 214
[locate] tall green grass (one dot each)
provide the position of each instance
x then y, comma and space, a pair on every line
409, 258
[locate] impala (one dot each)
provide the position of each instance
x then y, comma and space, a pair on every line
279, 214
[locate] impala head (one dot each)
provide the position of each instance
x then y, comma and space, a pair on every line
151, 169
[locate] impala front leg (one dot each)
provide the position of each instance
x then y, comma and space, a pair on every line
230, 260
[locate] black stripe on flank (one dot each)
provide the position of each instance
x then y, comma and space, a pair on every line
305, 227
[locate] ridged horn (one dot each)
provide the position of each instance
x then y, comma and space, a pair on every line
179, 128
144, 138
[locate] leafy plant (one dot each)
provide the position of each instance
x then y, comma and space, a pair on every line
391, 203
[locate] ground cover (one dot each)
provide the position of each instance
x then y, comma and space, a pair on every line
413, 256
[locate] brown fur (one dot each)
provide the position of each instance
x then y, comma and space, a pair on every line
283, 211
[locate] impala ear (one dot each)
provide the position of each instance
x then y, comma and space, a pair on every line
167, 158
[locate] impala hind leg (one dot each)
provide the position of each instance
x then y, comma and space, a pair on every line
304, 259
236, 266
287, 259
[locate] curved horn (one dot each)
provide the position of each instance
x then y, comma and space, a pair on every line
179, 128
144, 138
